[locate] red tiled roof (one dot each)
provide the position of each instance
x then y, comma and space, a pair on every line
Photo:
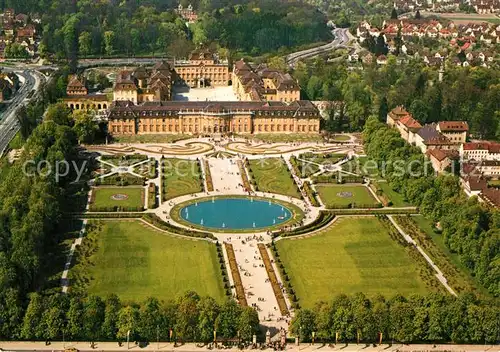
410, 122
441, 154
492, 147
453, 126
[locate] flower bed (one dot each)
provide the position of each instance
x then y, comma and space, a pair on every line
235, 273
310, 194
208, 176
375, 188
223, 269
152, 199
273, 279
244, 177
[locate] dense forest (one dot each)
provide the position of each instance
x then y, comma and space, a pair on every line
470, 94
433, 318
470, 229
98, 28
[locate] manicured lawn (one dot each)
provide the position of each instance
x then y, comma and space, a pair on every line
135, 262
494, 183
272, 175
180, 177
340, 138
124, 160
102, 197
396, 198
362, 166
342, 195
353, 255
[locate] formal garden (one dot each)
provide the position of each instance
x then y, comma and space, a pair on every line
117, 199
180, 177
272, 175
135, 261
352, 255
346, 196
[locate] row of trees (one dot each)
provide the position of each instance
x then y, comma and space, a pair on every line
470, 229
91, 318
433, 318
470, 94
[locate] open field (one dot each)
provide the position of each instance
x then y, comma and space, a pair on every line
334, 196
465, 18
135, 261
396, 198
352, 255
180, 177
272, 175
124, 197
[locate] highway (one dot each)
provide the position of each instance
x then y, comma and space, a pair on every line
29, 80
340, 41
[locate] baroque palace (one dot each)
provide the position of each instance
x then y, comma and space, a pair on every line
269, 100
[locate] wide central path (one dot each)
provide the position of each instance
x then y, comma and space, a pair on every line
226, 175
258, 290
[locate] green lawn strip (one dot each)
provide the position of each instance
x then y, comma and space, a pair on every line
124, 160
463, 278
362, 166
331, 196
180, 177
352, 255
151, 138
147, 169
135, 262
272, 175
296, 217
396, 198
102, 198
287, 138
340, 138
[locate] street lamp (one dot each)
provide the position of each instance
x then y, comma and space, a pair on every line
128, 339
158, 337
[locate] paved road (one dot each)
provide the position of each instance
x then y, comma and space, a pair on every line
30, 80
191, 347
340, 41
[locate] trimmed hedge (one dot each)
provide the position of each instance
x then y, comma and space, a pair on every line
323, 219
310, 194
158, 222
152, 199
125, 179
235, 273
208, 176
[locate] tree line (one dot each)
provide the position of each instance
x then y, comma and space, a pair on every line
469, 94
470, 229
101, 28
433, 318
92, 318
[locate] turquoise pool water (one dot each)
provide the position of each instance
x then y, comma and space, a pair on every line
235, 213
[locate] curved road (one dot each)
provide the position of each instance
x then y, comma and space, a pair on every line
29, 80
340, 41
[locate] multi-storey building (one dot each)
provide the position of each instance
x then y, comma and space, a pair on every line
142, 84
203, 69
263, 84
480, 151
178, 117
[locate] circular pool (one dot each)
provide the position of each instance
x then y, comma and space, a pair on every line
237, 214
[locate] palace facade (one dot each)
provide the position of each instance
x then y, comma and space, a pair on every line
202, 69
178, 117
263, 84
